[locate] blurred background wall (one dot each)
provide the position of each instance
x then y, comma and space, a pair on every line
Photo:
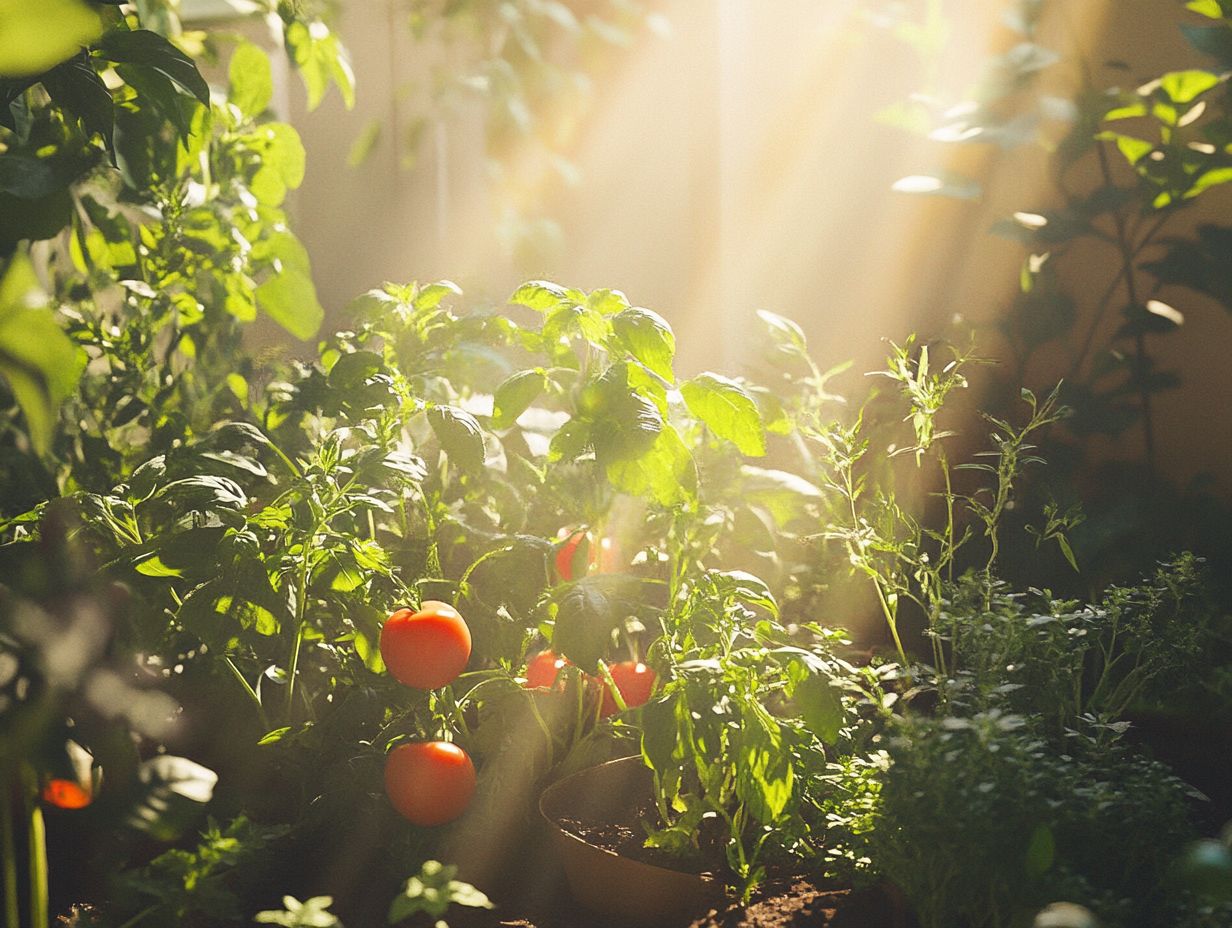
735, 163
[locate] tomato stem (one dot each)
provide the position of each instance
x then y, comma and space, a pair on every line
8, 849
37, 844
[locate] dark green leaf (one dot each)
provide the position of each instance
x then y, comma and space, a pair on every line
150, 50
77, 88
459, 434
585, 620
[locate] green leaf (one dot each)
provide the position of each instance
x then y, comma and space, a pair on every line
1133, 149
607, 302
764, 774
150, 50
77, 87
665, 473
459, 434
1185, 86
40, 363
282, 161
1209, 8
728, 410
540, 295
365, 143
787, 336
821, 707
660, 735
289, 296
747, 588
433, 294
252, 82
585, 620
647, 336
1041, 851
321, 61
36, 36
514, 396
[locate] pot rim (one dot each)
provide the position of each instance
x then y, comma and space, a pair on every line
562, 785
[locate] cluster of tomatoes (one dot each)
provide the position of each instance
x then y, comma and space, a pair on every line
432, 782
633, 679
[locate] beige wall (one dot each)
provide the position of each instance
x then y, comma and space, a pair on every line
734, 166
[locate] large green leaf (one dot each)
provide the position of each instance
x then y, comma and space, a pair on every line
459, 434
728, 410
666, 473
585, 619
252, 82
36, 36
821, 707
514, 396
150, 50
764, 775
647, 336
40, 363
76, 87
288, 295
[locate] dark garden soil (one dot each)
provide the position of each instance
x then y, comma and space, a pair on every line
530, 890
792, 903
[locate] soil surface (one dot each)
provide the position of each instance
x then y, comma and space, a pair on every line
795, 903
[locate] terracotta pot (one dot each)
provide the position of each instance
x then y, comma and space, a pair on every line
619, 887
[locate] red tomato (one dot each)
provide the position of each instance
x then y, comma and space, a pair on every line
426, 649
429, 782
66, 794
634, 680
543, 669
575, 556
581, 553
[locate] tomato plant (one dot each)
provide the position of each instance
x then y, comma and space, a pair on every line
429, 782
427, 648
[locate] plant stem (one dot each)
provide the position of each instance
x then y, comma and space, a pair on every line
301, 609
252, 694
8, 849
38, 868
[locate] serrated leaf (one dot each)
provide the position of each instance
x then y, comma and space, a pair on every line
459, 434
728, 410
